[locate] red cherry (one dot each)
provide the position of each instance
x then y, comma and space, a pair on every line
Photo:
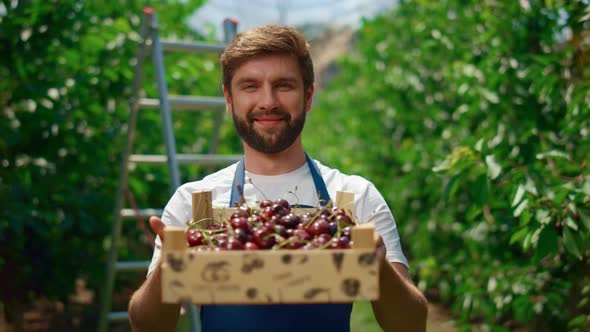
265, 203
284, 203
279, 209
194, 237
319, 226
250, 246
267, 213
346, 232
343, 220
241, 235
344, 242
239, 223
301, 235
234, 244
291, 220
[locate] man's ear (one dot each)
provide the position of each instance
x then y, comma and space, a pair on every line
309, 97
228, 103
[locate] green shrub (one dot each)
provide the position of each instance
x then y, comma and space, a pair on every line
473, 118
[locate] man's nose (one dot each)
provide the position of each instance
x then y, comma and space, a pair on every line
268, 99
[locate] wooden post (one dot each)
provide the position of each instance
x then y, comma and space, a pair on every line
174, 239
203, 208
345, 200
363, 236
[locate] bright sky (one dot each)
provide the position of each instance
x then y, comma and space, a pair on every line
250, 13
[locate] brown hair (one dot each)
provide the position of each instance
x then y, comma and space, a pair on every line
266, 40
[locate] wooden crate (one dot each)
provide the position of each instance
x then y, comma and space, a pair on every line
268, 276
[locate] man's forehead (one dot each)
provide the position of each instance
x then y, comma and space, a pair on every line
276, 65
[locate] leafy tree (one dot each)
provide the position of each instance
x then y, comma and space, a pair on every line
65, 77
472, 117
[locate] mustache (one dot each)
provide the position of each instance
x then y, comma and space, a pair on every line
275, 112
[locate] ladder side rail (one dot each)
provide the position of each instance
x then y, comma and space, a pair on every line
164, 105
193, 312
123, 182
229, 32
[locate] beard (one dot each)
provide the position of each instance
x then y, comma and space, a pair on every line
277, 140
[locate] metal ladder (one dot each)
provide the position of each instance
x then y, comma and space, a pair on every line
166, 103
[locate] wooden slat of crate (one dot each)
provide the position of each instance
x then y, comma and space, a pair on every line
257, 277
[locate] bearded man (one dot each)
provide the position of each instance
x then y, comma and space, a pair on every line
268, 88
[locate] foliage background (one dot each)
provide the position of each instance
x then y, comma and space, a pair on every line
65, 78
471, 117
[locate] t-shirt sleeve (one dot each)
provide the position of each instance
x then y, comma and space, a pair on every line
376, 211
175, 214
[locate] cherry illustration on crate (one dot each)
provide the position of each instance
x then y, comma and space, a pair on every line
274, 225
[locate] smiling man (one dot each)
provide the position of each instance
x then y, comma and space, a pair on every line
268, 88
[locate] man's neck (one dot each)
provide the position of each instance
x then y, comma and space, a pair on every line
276, 163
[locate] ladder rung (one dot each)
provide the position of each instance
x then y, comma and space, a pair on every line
193, 47
117, 316
131, 213
132, 266
204, 159
186, 103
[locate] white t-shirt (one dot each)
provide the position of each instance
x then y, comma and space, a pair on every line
296, 187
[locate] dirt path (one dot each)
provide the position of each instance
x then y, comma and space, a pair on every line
439, 319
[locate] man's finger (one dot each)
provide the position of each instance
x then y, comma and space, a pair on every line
158, 226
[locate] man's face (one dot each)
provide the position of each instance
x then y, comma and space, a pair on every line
268, 102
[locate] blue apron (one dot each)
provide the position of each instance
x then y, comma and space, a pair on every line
278, 317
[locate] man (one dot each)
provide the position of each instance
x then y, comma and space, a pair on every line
268, 88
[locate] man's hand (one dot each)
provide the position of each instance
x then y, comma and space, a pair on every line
380, 249
146, 310
158, 226
401, 306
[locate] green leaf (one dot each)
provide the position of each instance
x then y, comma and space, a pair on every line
523, 205
519, 194
525, 217
532, 239
445, 165
584, 218
547, 243
452, 187
560, 195
542, 216
531, 187
553, 154
570, 222
479, 145
480, 189
570, 243
519, 235
494, 169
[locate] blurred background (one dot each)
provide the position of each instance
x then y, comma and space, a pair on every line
471, 117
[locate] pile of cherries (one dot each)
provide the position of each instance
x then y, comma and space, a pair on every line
274, 226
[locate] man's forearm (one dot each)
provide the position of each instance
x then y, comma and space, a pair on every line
146, 310
401, 306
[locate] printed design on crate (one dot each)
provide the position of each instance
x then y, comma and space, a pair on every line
367, 259
217, 271
288, 259
338, 258
251, 263
351, 286
314, 292
175, 262
294, 256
